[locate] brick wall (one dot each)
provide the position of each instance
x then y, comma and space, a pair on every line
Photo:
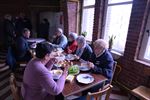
72, 16
132, 74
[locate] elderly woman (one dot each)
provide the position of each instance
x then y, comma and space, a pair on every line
72, 43
101, 60
60, 40
83, 51
38, 83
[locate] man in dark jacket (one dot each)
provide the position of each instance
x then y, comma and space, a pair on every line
22, 52
101, 62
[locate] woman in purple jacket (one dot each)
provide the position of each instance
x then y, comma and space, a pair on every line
38, 83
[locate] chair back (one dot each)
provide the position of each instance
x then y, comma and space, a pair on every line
98, 95
14, 88
114, 68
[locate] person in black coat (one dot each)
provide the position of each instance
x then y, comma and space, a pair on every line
83, 51
9, 31
22, 22
44, 29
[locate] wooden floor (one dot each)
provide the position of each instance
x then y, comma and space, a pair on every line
5, 92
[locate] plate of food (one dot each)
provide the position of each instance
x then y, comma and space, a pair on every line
84, 67
85, 78
70, 57
56, 73
74, 70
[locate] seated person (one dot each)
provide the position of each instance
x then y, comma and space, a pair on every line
22, 52
101, 61
72, 43
83, 51
60, 40
38, 83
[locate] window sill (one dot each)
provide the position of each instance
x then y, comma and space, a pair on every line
142, 62
116, 55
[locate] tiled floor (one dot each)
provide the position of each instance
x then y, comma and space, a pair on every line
5, 92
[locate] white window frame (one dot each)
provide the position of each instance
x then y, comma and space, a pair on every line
103, 31
144, 45
87, 7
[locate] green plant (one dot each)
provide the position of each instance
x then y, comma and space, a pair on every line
111, 41
84, 33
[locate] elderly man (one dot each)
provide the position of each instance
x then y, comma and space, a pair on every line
101, 60
60, 40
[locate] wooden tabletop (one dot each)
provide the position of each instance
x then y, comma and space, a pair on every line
76, 87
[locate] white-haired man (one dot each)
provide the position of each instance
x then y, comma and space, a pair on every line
60, 40
101, 60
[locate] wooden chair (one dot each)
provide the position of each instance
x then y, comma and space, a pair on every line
14, 88
142, 92
114, 68
98, 95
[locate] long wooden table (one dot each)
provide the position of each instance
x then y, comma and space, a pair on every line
75, 87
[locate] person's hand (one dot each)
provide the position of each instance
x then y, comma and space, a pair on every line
51, 62
76, 57
69, 51
65, 73
90, 64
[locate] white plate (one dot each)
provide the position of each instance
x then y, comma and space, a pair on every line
85, 78
56, 74
84, 68
37, 40
57, 65
70, 57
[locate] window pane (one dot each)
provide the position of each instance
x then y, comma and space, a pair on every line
88, 2
117, 21
147, 53
87, 22
117, 1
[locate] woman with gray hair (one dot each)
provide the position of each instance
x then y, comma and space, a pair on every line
83, 51
101, 61
72, 43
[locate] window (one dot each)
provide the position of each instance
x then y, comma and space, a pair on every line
88, 18
117, 22
144, 53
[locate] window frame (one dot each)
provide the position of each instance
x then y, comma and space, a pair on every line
87, 7
144, 40
104, 21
